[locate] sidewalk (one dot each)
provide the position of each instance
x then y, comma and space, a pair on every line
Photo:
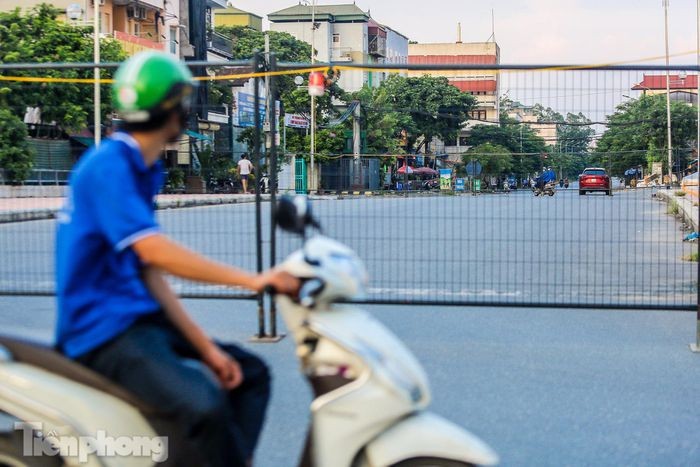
29, 209
686, 208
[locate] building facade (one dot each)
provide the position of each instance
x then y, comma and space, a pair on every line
526, 114
137, 25
344, 34
683, 87
483, 84
234, 17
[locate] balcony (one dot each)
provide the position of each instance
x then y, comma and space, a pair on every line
133, 44
220, 44
341, 54
377, 45
157, 4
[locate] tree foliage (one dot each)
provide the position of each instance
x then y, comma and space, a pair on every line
382, 123
38, 36
515, 137
287, 48
495, 159
435, 107
15, 153
636, 133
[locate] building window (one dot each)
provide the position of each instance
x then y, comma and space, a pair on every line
336, 39
463, 141
137, 29
173, 40
477, 115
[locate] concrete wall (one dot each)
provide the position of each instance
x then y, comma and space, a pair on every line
302, 31
396, 47
353, 41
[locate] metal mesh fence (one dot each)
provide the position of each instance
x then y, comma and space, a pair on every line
432, 228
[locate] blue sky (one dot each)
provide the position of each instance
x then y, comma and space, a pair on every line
537, 31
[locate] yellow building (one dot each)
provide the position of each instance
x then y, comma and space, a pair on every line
483, 84
235, 17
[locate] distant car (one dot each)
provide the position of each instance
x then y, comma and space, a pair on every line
594, 179
512, 183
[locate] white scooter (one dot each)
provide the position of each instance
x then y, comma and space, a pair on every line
368, 411
369, 391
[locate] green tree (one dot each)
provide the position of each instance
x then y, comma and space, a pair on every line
381, 122
528, 148
435, 107
15, 154
246, 41
495, 159
38, 36
636, 133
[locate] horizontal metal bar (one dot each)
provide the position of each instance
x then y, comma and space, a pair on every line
108, 65
523, 67
371, 66
589, 306
466, 304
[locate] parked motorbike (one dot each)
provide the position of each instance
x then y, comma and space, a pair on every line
220, 185
264, 183
370, 393
547, 189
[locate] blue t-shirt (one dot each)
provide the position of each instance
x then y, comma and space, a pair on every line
109, 206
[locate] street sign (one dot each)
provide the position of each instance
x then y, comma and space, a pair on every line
296, 121
459, 184
246, 109
477, 184
473, 168
445, 179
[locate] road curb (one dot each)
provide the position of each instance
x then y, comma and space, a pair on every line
685, 207
43, 214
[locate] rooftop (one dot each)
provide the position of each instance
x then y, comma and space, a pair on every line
659, 82
333, 13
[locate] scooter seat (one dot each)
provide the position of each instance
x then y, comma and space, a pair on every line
43, 356
182, 453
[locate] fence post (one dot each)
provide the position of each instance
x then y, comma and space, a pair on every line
257, 67
272, 113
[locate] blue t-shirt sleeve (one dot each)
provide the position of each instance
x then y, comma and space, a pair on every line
123, 214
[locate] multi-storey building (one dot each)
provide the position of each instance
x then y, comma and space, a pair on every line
344, 34
137, 25
683, 87
482, 84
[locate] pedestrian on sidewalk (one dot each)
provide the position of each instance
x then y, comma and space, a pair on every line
245, 167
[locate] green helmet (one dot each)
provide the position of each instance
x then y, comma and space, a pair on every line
149, 86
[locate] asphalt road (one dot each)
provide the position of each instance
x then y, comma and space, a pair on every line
513, 248
543, 387
555, 387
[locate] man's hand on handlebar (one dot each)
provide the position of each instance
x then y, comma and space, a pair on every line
280, 282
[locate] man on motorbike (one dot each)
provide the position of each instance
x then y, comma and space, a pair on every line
116, 312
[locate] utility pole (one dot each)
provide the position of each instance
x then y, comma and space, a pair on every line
269, 104
668, 98
356, 147
695, 347
97, 97
313, 98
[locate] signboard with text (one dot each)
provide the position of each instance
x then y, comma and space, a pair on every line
296, 121
445, 179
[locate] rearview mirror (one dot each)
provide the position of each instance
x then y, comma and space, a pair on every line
293, 214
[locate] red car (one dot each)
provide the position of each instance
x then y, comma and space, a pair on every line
594, 179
